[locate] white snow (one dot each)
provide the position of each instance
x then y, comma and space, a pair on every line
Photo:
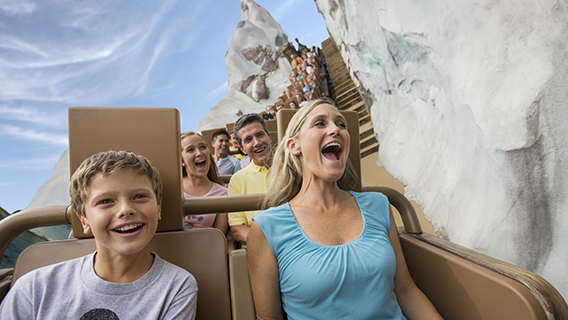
256, 29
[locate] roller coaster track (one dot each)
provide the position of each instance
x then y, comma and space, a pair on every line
343, 91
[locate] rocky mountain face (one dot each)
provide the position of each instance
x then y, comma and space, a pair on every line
55, 191
469, 104
256, 67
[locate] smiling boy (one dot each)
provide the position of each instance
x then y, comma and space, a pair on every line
117, 196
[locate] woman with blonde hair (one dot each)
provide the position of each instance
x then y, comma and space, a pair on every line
201, 179
322, 250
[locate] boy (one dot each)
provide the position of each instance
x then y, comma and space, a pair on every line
117, 196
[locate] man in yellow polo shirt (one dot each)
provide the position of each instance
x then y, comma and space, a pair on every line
254, 140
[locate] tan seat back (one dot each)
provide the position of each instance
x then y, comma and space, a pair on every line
201, 252
274, 140
462, 289
271, 125
241, 292
151, 132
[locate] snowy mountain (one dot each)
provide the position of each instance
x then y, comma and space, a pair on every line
256, 67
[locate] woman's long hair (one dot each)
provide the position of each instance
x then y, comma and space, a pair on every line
212, 173
286, 173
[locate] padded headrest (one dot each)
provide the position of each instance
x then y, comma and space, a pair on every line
271, 125
151, 132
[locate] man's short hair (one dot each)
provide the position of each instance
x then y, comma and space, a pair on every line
218, 133
107, 163
245, 120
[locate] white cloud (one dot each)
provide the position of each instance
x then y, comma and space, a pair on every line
85, 60
284, 9
157, 52
220, 89
66, 54
165, 37
32, 116
56, 79
83, 15
11, 43
31, 135
83, 67
45, 162
17, 7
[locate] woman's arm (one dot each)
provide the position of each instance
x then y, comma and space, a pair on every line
263, 272
414, 304
221, 222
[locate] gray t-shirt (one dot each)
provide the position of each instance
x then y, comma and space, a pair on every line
228, 165
72, 290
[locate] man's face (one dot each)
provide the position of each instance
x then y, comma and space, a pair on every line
270, 110
256, 143
221, 145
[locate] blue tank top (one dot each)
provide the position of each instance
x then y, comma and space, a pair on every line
351, 281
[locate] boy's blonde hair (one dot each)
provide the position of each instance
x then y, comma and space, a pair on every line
106, 163
286, 173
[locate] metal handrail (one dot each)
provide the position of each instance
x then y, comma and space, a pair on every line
197, 206
208, 205
18, 223
404, 207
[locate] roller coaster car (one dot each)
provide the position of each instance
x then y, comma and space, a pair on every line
461, 283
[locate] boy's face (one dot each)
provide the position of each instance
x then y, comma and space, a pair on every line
122, 213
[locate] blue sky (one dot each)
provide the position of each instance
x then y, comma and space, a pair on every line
55, 54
